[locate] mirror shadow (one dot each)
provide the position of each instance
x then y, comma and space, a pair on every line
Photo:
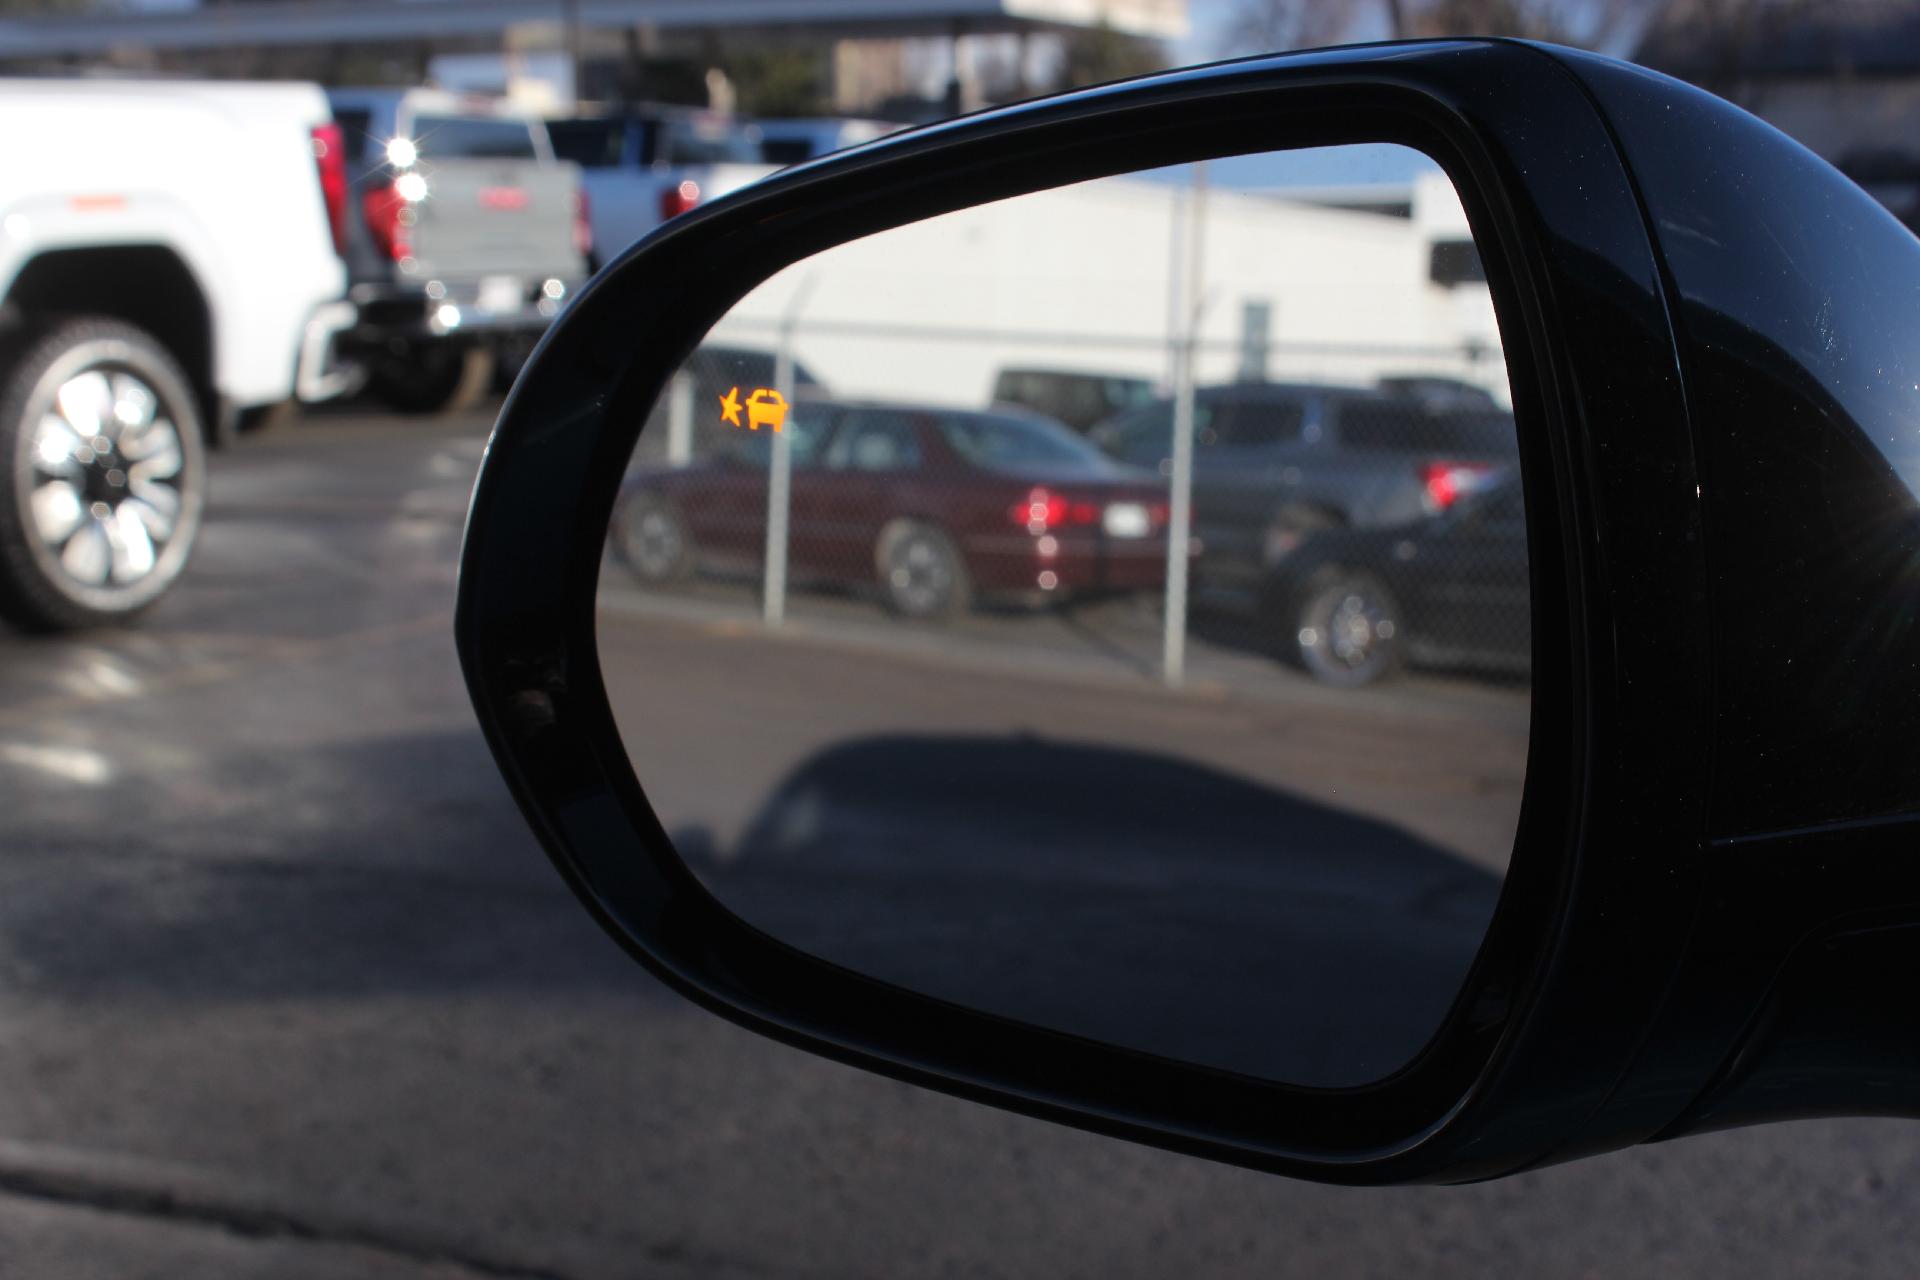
1121, 895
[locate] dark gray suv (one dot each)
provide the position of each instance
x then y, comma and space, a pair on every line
1275, 462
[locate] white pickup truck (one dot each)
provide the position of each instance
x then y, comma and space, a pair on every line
169, 265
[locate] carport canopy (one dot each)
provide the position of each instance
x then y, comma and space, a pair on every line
261, 23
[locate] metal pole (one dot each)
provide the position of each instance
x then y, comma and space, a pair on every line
1176, 283
680, 420
570, 20
773, 593
1180, 512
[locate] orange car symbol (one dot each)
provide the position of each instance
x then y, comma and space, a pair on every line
766, 407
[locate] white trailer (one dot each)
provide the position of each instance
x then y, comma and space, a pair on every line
1079, 278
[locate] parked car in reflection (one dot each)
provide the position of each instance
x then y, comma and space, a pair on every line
1274, 463
1449, 589
1077, 398
929, 508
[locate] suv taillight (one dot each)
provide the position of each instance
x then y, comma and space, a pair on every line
390, 219
330, 159
1446, 482
582, 224
679, 198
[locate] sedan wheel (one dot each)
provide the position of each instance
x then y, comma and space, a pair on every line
653, 541
1350, 632
106, 487
921, 574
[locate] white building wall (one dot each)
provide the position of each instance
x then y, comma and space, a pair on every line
1081, 278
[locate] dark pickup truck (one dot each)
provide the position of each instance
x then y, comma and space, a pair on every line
1275, 463
466, 236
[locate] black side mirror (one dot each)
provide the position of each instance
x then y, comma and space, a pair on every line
1708, 336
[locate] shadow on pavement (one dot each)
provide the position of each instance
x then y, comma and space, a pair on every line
1122, 895
379, 867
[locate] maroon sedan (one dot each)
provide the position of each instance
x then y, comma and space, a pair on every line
932, 506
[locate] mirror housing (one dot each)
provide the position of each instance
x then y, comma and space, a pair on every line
1618, 996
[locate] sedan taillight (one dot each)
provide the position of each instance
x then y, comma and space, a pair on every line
1042, 511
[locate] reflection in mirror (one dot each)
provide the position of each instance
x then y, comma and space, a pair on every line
1106, 608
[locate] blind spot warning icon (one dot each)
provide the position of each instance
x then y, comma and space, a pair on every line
766, 408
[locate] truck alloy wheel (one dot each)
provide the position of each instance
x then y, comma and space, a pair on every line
104, 444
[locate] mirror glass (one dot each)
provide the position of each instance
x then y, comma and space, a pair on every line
1106, 608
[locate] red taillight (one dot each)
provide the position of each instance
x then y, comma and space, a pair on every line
1041, 511
390, 218
505, 199
330, 158
679, 198
1445, 482
582, 224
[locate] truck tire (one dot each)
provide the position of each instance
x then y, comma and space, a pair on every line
102, 445
264, 418
437, 379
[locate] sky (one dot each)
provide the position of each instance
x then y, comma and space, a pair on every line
1208, 19
1325, 167
1321, 167
1207, 41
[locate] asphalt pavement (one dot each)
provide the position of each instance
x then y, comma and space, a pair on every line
287, 990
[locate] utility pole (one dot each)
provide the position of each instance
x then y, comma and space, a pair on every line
576, 56
1180, 508
773, 589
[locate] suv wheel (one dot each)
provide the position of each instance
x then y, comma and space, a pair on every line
102, 499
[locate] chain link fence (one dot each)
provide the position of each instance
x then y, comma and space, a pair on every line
1355, 509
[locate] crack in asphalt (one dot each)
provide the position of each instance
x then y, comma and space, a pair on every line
250, 1221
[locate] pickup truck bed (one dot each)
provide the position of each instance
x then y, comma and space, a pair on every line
466, 236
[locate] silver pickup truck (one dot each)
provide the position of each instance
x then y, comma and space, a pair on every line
466, 236
646, 163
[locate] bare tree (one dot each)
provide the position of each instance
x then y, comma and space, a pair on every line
1263, 26
1293, 24
1591, 23
1714, 42
1097, 54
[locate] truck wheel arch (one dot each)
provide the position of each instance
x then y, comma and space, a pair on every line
146, 285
